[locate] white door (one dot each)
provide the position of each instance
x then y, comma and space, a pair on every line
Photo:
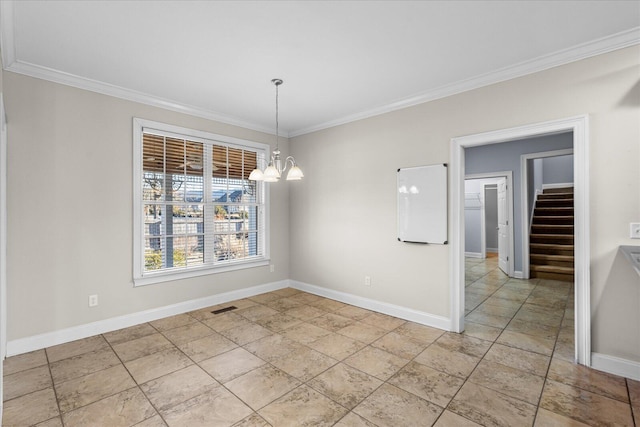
503, 227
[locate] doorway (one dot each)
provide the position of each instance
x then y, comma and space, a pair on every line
578, 126
476, 209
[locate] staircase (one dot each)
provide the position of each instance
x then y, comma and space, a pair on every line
551, 238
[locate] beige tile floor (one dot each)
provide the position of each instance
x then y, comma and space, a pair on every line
289, 358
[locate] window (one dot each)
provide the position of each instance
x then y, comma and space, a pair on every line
195, 210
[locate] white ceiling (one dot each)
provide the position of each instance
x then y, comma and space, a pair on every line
340, 60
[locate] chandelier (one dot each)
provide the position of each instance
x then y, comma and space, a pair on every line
276, 168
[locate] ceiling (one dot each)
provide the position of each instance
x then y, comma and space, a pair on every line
340, 60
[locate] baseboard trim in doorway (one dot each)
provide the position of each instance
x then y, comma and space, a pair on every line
615, 365
405, 313
518, 275
473, 255
37, 342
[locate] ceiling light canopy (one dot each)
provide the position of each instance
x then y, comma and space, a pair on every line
276, 168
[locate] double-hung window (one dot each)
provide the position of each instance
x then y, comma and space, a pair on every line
195, 210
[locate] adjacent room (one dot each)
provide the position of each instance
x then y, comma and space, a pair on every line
314, 213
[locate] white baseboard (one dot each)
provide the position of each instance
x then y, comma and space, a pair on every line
615, 365
381, 307
473, 254
37, 342
558, 185
518, 274
492, 250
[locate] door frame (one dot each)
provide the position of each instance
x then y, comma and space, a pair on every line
579, 126
3, 244
510, 250
524, 189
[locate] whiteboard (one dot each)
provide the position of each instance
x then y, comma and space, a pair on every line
422, 204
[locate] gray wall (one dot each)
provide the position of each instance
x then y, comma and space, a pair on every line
557, 170
506, 157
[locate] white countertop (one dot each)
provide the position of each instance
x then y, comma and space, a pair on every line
633, 255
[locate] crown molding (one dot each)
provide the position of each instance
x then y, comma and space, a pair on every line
7, 48
576, 53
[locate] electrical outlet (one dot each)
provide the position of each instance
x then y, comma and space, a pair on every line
93, 300
635, 230
272, 268
367, 280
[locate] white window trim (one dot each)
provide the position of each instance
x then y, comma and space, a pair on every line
140, 278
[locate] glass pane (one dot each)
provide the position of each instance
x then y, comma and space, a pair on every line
219, 190
152, 220
252, 244
195, 250
249, 191
220, 163
237, 248
175, 164
152, 186
152, 256
152, 153
249, 215
194, 169
250, 163
220, 219
221, 247
235, 165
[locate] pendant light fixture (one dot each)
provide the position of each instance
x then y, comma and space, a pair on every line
275, 168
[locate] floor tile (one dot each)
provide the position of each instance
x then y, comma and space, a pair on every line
634, 392
329, 305
253, 420
451, 419
305, 312
128, 334
273, 347
172, 322
383, 321
488, 319
303, 407
345, 385
305, 333
278, 322
304, 363
25, 382
427, 383
305, 298
76, 348
262, 386
584, 406
353, 312
155, 421
464, 344
490, 408
390, 406
218, 407
30, 409
353, 420
157, 364
591, 380
337, 346
420, 333
331, 322
484, 332
400, 345
53, 422
526, 342
25, 361
90, 388
510, 381
362, 332
450, 362
527, 361
224, 321
245, 334
376, 362
178, 386
143, 346
123, 409
531, 328
187, 333
209, 346
256, 312
266, 297
287, 292
546, 418
231, 364
83, 364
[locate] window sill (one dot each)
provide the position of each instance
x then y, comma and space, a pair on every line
151, 278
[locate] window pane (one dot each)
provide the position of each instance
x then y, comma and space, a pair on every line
152, 256
175, 164
194, 170
195, 250
220, 164
252, 244
152, 220
221, 247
